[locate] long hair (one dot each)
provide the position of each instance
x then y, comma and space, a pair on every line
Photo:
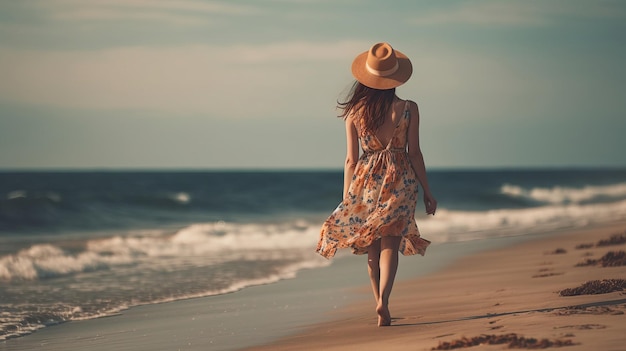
369, 105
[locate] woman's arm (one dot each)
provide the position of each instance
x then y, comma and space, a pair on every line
352, 154
417, 159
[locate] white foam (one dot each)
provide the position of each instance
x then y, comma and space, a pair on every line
219, 241
221, 236
449, 226
563, 195
45, 261
181, 197
22, 194
16, 194
50, 195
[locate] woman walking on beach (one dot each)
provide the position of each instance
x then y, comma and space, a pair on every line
380, 189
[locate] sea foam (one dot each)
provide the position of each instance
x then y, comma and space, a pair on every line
452, 226
564, 195
218, 241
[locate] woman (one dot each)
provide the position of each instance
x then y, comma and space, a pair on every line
380, 189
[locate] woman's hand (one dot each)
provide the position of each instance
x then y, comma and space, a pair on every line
430, 203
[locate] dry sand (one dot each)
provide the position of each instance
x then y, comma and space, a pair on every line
504, 295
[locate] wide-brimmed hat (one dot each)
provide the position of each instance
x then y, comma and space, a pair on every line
382, 67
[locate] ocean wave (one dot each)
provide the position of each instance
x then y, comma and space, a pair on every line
44, 261
565, 195
221, 241
452, 226
218, 240
54, 211
23, 194
181, 197
149, 267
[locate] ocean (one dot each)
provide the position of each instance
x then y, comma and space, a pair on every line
85, 244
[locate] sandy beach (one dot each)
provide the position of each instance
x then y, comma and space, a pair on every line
507, 295
498, 290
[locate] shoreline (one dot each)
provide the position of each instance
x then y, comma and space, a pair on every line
508, 292
300, 309
236, 320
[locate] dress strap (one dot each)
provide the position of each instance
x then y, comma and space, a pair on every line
407, 113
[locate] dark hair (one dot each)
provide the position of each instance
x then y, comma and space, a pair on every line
369, 105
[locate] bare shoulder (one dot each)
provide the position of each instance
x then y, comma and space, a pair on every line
413, 108
350, 118
351, 121
407, 104
411, 104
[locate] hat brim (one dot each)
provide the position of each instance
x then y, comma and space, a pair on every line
405, 69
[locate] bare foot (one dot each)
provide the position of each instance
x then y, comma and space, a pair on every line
384, 318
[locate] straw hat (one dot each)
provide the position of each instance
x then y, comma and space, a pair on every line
382, 67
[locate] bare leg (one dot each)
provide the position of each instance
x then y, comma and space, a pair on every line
388, 267
373, 257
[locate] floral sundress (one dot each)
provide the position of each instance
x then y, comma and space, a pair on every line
381, 199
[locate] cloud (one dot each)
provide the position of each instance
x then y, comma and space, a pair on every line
517, 13
116, 15
296, 51
483, 14
251, 81
179, 12
222, 81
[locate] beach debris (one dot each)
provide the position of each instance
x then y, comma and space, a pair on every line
543, 275
610, 259
545, 272
558, 251
616, 239
582, 326
595, 310
512, 340
595, 287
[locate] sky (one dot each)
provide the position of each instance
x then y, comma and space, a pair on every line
253, 84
